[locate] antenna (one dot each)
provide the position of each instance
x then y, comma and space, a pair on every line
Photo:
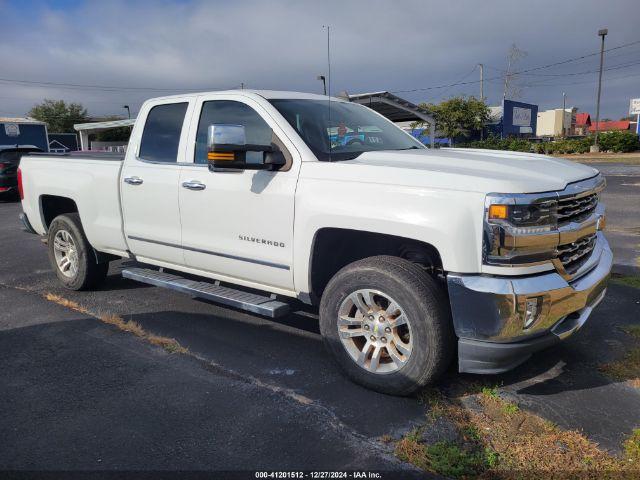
329, 83
328, 58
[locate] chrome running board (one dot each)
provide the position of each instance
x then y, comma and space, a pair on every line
231, 297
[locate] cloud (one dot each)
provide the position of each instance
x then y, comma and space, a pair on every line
281, 44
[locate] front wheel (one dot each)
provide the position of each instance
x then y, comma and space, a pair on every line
71, 255
388, 324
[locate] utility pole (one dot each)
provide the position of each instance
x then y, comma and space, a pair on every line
602, 33
324, 83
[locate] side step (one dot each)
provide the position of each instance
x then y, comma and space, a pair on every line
250, 302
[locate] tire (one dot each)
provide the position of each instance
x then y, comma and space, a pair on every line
424, 304
87, 273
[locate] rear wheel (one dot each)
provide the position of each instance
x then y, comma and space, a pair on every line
388, 324
71, 255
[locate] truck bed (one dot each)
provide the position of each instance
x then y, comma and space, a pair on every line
109, 156
88, 179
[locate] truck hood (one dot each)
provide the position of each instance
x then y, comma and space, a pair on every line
475, 170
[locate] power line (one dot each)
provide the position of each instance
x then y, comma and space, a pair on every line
562, 84
541, 67
109, 88
569, 74
464, 77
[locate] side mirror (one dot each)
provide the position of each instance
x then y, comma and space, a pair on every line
227, 149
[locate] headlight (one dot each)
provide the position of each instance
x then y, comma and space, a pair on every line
519, 229
538, 214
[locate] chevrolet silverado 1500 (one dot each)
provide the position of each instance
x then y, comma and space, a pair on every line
251, 197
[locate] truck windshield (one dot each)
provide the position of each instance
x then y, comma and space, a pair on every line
342, 131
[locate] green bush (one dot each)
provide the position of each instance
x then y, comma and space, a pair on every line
558, 147
519, 145
618, 142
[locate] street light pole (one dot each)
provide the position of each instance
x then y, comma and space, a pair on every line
602, 33
128, 111
324, 83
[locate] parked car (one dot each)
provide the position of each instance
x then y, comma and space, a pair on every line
406, 251
9, 158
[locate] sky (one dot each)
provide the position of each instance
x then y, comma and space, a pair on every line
113, 53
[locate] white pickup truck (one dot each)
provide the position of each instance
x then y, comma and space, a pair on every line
250, 198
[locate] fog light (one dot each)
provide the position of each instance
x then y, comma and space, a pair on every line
532, 310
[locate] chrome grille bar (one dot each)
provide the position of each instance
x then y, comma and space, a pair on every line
573, 255
573, 209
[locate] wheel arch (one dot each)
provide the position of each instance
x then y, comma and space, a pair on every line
333, 248
53, 205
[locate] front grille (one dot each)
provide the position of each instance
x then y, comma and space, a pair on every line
575, 209
573, 255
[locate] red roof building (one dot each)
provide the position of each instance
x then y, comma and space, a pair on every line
583, 123
609, 126
583, 120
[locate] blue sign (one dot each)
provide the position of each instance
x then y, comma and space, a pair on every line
518, 118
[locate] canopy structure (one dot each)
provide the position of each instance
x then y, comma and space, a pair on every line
395, 109
86, 129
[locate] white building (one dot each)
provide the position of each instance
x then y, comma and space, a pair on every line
556, 122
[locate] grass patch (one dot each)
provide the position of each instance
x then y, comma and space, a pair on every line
628, 367
66, 303
632, 447
470, 433
434, 400
499, 440
490, 392
451, 460
525, 442
628, 280
633, 330
171, 345
445, 458
510, 408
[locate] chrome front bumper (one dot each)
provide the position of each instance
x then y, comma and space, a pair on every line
489, 311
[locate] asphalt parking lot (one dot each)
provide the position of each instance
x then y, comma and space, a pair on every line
622, 199
255, 394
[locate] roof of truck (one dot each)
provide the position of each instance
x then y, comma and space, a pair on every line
268, 94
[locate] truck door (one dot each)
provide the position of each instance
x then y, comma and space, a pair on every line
149, 184
238, 225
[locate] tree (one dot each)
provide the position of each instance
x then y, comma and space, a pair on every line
59, 115
459, 116
119, 134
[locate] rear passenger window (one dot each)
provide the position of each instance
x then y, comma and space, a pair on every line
161, 135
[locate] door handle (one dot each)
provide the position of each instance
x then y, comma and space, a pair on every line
133, 180
194, 185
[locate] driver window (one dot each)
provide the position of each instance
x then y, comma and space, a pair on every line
233, 113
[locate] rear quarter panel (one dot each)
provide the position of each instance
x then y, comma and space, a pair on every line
92, 184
